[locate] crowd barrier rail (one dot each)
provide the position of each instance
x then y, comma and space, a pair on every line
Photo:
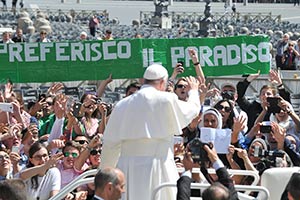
205, 185
80, 180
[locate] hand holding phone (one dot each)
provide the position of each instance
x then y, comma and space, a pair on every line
6, 107
179, 67
273, 104
15, 149
265, 127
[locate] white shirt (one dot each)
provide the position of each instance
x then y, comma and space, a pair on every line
46, 184
97, 197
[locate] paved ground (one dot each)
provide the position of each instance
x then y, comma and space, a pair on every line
126, 11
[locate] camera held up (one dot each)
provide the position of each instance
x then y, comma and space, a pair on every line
109, 106
268, 158
199, 155
229, 95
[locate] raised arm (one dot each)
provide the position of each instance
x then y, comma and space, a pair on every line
194, 56
103, 85
241, 90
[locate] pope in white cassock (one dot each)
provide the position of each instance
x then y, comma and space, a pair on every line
138, 138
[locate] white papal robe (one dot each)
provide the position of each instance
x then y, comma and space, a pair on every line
138, 139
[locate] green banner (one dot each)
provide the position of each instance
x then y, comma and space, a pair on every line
95, 60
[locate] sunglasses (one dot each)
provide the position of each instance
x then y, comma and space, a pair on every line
180, 86
74, 155
95, 152
226, 108
82, 141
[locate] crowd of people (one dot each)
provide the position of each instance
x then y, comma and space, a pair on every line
48, 143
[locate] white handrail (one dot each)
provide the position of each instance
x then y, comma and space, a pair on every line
81, 179
205, 185
254, 174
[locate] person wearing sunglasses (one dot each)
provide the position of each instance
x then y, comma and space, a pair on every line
289, 56
82, 141
92, 153
41, 177
43, 37
225, 108
228, 91
74, 161
181, 90
69, 166
95, 157
91, 112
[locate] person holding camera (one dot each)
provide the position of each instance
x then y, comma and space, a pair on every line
91, 109
282, 113
223, 189
253, 109
289, 56
276, 140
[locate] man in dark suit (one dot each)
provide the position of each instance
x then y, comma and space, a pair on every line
221, 190
292, 190
109, 184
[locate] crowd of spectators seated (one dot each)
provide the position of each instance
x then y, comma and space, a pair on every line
284, 36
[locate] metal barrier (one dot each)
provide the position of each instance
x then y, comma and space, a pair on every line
204, 186
254, 174
80, 180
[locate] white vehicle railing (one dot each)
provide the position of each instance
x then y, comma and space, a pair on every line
254, 174
80, 180
204, 186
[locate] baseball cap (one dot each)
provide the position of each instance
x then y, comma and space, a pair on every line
228, 84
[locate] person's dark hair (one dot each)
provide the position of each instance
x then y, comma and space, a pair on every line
81, 135
293, 186
30, 104
229, 122
13, 189
180, 79
105, 176
35, 147
216, 191
71, 143
108, 31
133, 85
96, 113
